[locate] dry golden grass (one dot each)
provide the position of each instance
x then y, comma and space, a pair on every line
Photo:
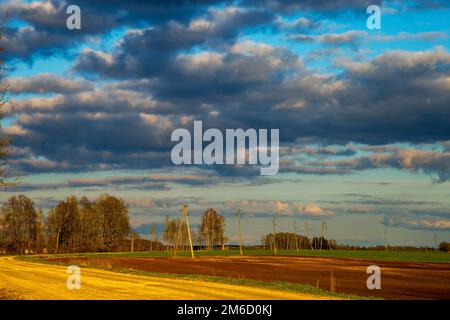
39, 281
6, 294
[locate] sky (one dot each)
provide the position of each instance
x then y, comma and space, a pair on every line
364, 115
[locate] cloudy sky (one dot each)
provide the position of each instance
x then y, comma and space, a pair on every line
364, 115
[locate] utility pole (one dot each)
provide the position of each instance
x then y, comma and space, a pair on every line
132, 242
307, 236
274, 236
385, 240
150, 237
185, 213
189, 230
296, 236
435, 242
327, 236
180, 223
239, 231
321, 237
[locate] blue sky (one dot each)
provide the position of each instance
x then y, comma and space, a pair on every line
363, 114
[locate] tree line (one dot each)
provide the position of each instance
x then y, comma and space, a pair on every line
293, 241
71, 226
101, 225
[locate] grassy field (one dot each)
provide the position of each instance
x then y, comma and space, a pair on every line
412, 256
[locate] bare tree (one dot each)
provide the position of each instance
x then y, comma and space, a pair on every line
63, 224
91, 226
152, 237
213, 228
116, 221
40, 236
4, 100
170, 231
19, 225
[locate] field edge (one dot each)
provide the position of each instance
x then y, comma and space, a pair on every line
272, 285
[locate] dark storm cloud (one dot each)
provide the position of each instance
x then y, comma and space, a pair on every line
380, 101
87, 151
385, 100
251, 85
50, 16
340, 6
226, 84
109, 133
153, 12
149, 52
25, 42
398, 96
289, 6
46, 32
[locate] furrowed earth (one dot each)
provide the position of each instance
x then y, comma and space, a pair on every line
399, 280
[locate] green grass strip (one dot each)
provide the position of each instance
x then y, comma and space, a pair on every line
409, 256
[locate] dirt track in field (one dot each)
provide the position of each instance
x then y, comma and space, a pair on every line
399, 280
26, 280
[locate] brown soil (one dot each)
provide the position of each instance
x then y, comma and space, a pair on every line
399, 280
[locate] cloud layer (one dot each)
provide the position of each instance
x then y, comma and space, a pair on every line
347, 100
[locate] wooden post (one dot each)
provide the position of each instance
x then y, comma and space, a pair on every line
239, 231
327, 236
274, 236
385, 240
150, 237
321, 237
307, 236
189, 230
179, 233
